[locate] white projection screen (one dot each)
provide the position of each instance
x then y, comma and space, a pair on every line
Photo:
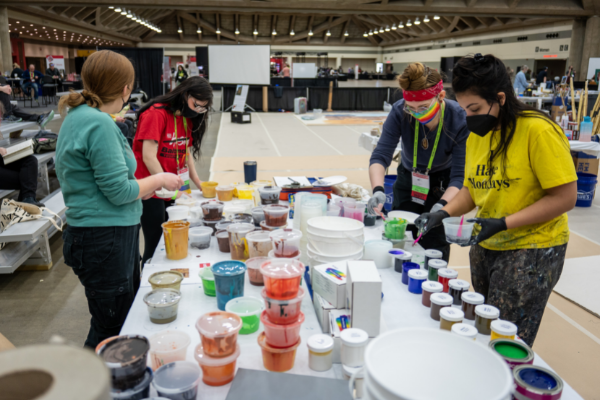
239, 64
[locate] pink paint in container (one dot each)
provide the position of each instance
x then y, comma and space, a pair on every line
282, 278
286, 242
282, 335
283, 312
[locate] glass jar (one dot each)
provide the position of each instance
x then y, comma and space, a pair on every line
450, 316
470, 300
429, 288
484, 315
439, 301
456, 287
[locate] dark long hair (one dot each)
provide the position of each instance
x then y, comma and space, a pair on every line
198, 88
486, 76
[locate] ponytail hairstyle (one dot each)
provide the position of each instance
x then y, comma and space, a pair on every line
486, 76
104, 75
176, 100
417, 76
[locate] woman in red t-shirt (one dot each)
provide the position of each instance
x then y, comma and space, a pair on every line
170, 130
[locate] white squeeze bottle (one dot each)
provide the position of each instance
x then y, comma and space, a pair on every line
564, 122
585, 130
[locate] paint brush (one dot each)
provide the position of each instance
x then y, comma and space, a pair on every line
462, 219
418, 238
380, 214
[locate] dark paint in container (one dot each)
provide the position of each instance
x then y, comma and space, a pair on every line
126, 357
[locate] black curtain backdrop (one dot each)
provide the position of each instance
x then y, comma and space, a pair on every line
147, 63
255, 97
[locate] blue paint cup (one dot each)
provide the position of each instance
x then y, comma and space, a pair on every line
250, 171
405, 268
229, 281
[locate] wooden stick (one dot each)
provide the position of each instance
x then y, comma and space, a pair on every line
330, 97
580, 107
265, 98
585, 106
574, 112
596, 116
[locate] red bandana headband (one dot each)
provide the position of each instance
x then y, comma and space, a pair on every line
424, 94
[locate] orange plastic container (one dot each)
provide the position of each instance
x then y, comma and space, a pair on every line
216, 371
209, 189
277, 360
176, 239
282, 278
282, 336
218, 333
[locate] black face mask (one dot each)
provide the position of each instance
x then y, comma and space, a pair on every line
188, 112
482, 124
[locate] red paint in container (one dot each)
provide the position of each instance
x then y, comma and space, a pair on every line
281, 336
444, 276
282, 278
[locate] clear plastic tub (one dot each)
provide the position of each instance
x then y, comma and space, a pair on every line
258, 215
239, 218
178, 380
276, 359
282, 278
200, 237
208, 281
237, 240
218, 332
209, 189
245, 192
225, 192
212, 210
222, 225
178, 213
167, 347
451, 226
282, 335
231, 209
126, 357
163, 305
223, 241
269, 194
276, 215
259, 244
176, 239
185, 200
272, 255
265, 227
248, 309
254, 274
286, 242
229, 281
166, 280
212, 224
333, 210
139, 391
261, 183
216, 371
283, 312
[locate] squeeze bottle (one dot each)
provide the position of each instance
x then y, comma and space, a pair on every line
585, 130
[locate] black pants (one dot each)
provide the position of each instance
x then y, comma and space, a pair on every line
518, 282
438, 182
107, 262
154, 214
21, 174
15, 110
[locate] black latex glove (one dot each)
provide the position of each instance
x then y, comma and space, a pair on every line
428, 221
489, 227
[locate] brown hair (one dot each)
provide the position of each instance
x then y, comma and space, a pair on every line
417, 76
104, 75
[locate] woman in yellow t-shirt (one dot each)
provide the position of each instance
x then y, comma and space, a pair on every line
520, 175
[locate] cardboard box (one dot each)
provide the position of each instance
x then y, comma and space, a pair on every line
334, 331
329, 281
586, 165
322, 309
363, 296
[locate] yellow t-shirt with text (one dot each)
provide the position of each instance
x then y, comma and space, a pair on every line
538, 158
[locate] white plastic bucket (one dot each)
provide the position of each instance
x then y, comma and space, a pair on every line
335, 246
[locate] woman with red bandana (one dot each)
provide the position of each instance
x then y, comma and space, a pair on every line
433, 133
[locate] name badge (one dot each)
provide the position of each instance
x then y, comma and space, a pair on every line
420, 187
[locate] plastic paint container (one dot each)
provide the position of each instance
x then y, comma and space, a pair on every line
400, 260
439, 301
232, 209
354, 342
126, 357
282, 335
283, 312
536, 383
211, 224
137, 392
359, 380
254, 274
176, 239
470, 300
225, 192
265, 227
259, 244
248, 309
456, 287
320, 352
445, 275
237, 240
178, 213
416, 277
269, 194
333, 210
258, 215
429, 287
276, 215
178, 380
393, 253
435, 265
282, 278
218, 332
272, 255
286, 242
377, 250
212, 210
369, 219
222, 225
450, 316
484, 315
395, 228
407, 266
503, 330
261, 183
216, 371
275, 359
465, 330
200, 237
229, 281
432, 254
223, 241
167, 347
208, 281
209, 189
166, 280
513, 352
245, 192
102, 343
162, 305
451, 227
241, 218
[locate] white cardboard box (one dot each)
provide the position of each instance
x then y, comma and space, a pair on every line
334, 331
322, 309
363, 296
331, 286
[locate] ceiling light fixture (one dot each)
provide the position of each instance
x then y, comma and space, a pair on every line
274, 33
346, 33
237, 31
199, 30
218, 31
328, 32
124, 12
426, 19
118, 9
292, 33
394, 27
417, 22
310, 33
365, 34
375, 32
436, 17
255, 31
111, 7
381, 30
129, 15
179, 30
387, 28
409, 23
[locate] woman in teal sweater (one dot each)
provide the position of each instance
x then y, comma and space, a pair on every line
95, 167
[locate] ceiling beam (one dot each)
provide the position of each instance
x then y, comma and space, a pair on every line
98, 17
344, 30
513, 3
152, 33
317, 29
325, 37
470, 3
77, 12
198, 16
452, 24
64, 12
179, 28
310, 22
362, 26
291, 27
212, 28
218, 27
273, 27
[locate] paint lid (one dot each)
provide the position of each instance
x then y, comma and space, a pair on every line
505, 328
472, 298
487, 311
206, 360
464, 330
536, 382
459, 284
406, 255
225, 187
432, 287
354, 337
436, 263
395, 252
447, 273
349, 371
163, 297
165, 278
452, 314
229, 268
320, 343
433, 253
441, 299
417, 274
282, 268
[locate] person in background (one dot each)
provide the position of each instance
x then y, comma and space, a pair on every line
435, 128
570, 74
21, 175
168, 138
32, 79
12, 113
95, 168
180, 76
55, 74
520, 176
511, 74
542, 76
521, 79
285, 72
17, 71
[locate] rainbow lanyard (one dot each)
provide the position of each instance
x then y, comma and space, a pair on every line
177, 142
437, 139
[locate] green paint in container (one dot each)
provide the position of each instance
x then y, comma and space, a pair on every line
248, 309
513, 352
395, 228
208, 281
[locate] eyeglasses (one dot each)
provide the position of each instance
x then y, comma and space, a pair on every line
420, 110
198, 108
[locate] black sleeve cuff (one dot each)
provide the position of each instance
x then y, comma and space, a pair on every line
443, 202
378, 189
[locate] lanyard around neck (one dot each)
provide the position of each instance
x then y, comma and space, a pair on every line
437, 139
177, 142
